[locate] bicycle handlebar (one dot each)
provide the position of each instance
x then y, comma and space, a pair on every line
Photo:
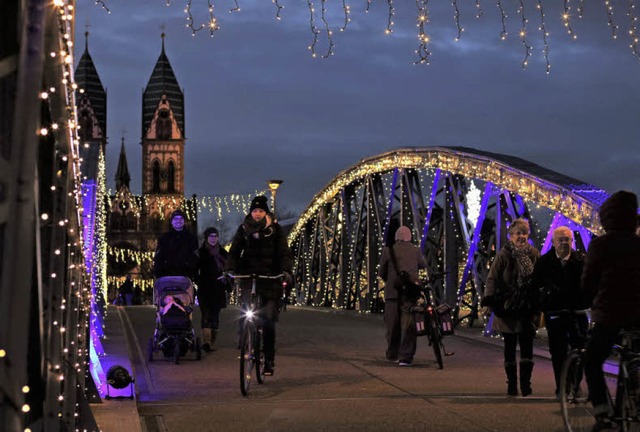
252, 276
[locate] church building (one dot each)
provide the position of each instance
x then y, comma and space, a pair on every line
135, 222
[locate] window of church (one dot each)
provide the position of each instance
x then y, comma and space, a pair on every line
163, 125
155, 186
171, 177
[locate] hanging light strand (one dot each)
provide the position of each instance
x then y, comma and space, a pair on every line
423, 18
278, 9
566, 19
503, 19
390, 23
523, 35
543, 29
614, 28
347, 10
633, 28
479, 11
456, 17
314, 29
236, 7
327, 29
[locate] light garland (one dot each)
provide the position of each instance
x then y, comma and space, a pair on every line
558, 198
212, 23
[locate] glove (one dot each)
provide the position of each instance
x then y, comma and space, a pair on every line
287, 281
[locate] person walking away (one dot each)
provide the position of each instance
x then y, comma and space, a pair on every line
126, 291
260, 247
611, 278
177, 250
508, 295
556, 281
211, 289
401, 259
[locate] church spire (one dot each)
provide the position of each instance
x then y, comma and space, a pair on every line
122, 174
162, 83
90, 89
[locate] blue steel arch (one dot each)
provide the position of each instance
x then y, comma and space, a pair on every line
458, 202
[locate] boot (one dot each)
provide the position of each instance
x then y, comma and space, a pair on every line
511, 368
526, 367
214, 334
206, 339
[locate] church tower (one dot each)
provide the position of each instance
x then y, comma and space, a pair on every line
91, 103
163, 132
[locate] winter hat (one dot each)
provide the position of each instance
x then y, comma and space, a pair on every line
403, 234
209, 231
259, 202
620, 212
177, 212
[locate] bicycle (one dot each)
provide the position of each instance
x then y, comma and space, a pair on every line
429, 323
577, 412
251, 337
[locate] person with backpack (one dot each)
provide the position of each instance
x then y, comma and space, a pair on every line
399, 265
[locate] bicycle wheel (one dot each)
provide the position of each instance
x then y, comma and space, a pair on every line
260, 358
629, 421
577, 412
246, 358
436, 339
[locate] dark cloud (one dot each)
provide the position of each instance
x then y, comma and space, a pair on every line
258, 106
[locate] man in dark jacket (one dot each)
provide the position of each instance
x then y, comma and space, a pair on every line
556, 278
611, 278
177, 251
260, 247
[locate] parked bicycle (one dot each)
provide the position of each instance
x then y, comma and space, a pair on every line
434, 322
252, 335
577, 411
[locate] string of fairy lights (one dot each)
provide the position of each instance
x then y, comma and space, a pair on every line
423, 18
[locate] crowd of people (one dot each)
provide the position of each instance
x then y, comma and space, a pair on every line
523, 288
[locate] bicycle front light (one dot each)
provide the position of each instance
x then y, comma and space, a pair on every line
249, 314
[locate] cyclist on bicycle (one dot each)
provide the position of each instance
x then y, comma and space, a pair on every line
260, 247
612, 278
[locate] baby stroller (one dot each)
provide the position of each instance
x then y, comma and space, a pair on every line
174, 335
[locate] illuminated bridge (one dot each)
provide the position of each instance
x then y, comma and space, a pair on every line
457, 201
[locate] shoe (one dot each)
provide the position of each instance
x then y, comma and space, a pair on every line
405, 363
391, 359
206, 348
604, 423
268, 368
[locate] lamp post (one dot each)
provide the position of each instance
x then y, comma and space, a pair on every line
273, 187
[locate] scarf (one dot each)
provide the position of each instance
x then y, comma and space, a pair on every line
253, 228
524, 264
214, 251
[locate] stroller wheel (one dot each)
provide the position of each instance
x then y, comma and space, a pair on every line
198, 348
176, 351
151, 348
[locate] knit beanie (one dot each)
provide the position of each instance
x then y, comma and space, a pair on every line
259, 202
403, 234
209, 231
620, 212
177, 212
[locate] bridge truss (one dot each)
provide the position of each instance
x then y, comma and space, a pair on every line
457, 201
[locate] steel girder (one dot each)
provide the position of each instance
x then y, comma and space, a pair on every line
458, 206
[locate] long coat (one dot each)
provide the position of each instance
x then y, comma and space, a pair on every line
409, 259
211, 290
557, 286
176, 254
261, 250
611, 278
503, 277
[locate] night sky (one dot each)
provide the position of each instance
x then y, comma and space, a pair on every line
258, 106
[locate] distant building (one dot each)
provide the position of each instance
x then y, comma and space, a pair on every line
134, 222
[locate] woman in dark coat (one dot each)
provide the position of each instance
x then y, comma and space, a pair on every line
506, 294
260, 247
211, 290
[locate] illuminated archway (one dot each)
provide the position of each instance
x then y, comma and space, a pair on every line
457, 201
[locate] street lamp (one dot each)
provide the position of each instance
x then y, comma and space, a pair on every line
273, 187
